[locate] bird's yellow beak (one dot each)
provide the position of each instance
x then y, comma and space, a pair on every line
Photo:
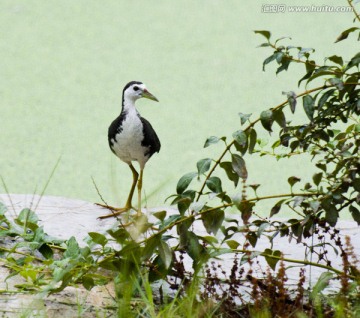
148, 95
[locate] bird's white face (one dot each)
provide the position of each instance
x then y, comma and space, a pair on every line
138, 90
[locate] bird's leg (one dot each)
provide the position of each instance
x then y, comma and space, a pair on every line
135, 180
128, 205
139, 189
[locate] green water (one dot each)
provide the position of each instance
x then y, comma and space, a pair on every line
63, 65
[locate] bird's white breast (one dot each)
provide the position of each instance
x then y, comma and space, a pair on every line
127, 144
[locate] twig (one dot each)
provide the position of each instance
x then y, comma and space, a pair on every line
357, 15
291, 260
98, 191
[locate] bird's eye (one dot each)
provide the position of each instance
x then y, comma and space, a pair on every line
136, 88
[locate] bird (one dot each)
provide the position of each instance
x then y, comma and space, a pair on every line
132, 138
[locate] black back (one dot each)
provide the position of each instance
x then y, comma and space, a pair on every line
151, 139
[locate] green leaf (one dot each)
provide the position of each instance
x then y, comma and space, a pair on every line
232, 244
252, 140
88, 282
26, 215
322, 71
297, 201
214, 184
354, 61
356, 184
165, 253
203, 165
98, 238
331, 213
267, 119
279, 57
160, 215
183, 201
344, 35
355, 214
131, 251
150, 245
240, 137
280, 118
252, 238
282, 38
196, 207
272, 261
211, 140
296, 228
72, 248
264, 45
184, 182
120, 235
264, 33
246, 209
321, 166
276, 208
213, 220
314, 205
46, 251
305, 52
284, 65
193, 247
231, 174
284, 139
321, 284
306, 76
292, 180
325, 97
254, 186
157, 270
244, 118
291, 96
308, 103
336, 59
263, 226
337, 82
209, 239
239, 166
317, 178
241, 148
268, 60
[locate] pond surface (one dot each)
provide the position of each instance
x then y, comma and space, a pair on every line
64, 64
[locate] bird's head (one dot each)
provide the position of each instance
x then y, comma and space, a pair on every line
135, 90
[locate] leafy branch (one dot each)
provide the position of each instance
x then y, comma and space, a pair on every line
219, 160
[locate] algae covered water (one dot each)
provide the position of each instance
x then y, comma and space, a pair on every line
64, 64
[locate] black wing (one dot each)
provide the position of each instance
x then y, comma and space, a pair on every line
151, 139
115, 128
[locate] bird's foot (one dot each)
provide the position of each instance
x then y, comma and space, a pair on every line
114, 211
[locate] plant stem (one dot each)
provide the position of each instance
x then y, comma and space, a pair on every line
275, 196
353, 8
304, 262
20, 253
